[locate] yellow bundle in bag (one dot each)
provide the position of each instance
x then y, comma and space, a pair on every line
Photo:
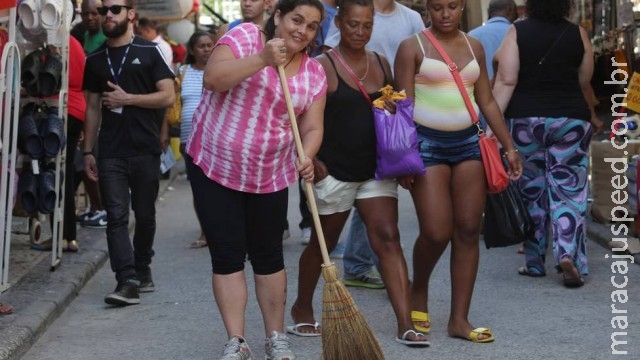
388, 94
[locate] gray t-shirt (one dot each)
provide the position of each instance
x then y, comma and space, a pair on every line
388, 31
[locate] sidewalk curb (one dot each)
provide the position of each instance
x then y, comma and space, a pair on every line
42, 295
601, 234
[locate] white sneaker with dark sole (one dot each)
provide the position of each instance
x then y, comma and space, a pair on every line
97, 221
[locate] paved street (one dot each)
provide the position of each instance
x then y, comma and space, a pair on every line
530, 318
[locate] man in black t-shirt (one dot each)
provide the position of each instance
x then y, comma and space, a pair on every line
129, 86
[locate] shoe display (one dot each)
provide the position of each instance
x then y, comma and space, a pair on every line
28, 190
97, 221
305, 238
54, 138
146, 281
49, 75
370, 280
47, 191
29, 140
236, 349
31, 65
126, 293
29, 11
277, 347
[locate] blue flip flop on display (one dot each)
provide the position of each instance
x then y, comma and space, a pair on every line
29, 139
53, 137
28, 190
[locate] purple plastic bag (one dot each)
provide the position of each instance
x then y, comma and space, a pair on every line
397, 142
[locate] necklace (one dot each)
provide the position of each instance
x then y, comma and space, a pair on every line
366, 71
289, 62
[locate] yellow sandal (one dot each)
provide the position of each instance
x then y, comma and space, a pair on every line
473, 335
420, 317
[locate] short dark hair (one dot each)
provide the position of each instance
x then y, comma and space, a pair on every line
130, 3
285, 7
147, 23
499, 6
345, 5
548, 10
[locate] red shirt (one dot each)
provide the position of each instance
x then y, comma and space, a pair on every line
76, 101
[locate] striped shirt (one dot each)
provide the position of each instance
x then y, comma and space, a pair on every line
191, 92
241, 138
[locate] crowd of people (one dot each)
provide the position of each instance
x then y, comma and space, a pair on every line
238, 146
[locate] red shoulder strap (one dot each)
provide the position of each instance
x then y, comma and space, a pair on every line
456, 74
355, 78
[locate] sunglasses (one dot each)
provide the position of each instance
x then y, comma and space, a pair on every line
115, 9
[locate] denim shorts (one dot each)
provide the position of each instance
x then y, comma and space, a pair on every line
448, 147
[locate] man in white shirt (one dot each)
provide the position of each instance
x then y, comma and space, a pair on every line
148, 30
254, 11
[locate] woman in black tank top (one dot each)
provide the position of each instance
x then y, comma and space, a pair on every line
347, 158
543, 84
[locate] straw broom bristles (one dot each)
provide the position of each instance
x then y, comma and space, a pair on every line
345, 333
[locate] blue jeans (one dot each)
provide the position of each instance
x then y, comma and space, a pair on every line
117, 176
358, 254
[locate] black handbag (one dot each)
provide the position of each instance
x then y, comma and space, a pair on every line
506, 219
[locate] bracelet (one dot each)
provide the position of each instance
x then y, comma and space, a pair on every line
508, 151
87, 153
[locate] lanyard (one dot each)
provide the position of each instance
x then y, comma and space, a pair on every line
124, 57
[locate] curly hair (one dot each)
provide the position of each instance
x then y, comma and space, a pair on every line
548, 10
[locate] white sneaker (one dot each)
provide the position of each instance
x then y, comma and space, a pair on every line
236, 349
305, 238
286, 234
96, 221
277, 347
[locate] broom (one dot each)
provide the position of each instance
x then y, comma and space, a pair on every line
345, 333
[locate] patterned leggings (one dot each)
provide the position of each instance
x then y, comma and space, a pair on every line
554, 186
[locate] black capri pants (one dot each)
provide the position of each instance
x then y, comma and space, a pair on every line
237, 224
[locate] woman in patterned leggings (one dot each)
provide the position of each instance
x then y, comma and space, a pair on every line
543, 85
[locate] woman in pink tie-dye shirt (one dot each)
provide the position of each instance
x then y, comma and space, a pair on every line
241, 159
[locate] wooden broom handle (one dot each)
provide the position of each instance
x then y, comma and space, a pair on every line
301, 157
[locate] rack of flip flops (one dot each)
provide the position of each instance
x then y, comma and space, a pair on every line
43, 27
9, 103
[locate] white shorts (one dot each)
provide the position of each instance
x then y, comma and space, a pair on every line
334, 196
